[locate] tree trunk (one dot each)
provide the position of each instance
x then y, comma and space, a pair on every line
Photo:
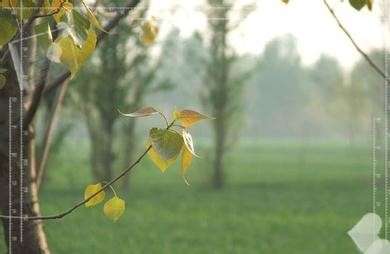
20, 236
129, 146
219, 130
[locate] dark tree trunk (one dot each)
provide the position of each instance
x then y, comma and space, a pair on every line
129, 146
219, 132
30, 232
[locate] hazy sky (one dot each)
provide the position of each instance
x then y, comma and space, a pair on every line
308, 20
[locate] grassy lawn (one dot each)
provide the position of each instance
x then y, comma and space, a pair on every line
278, 199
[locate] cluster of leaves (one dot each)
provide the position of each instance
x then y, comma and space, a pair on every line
163, 146
113, 208
357, 4
77, 37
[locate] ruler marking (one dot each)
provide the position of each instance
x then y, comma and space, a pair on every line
10, 175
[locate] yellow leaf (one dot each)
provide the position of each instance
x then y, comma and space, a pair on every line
90, 190
186, 159
114, 208
285, 1
74, 57
63, 6
149, 32
190, 117
92, 18
2, 81
163, 165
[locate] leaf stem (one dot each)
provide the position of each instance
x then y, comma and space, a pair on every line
112, 188
165, 118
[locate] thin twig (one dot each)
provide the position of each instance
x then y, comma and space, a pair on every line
105, 186
49, 133
365, 56
70, 210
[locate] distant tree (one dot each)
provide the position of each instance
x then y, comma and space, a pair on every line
222, 86
342, 100
115, 80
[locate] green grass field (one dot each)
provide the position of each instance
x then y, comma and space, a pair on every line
278, 199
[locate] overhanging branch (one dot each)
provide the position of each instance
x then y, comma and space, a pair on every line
42, 89
360, 50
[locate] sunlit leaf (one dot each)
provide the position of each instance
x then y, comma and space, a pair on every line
2, 81
74, 57
358, 4
166, 143
186, 159
8, 27
92, 18
188, 141
163, 165
190, 117
63, 6
92, 189
149, 32
147, 111
114, 208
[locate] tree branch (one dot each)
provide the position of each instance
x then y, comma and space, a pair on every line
49, 132
365, 56
70, 210
110, 25
42, 90
36, 98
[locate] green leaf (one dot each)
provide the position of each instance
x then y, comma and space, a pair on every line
166, 143
44, 36
92, 189
3, 70
8, 27
80, 26
2, 81
358, 4
114, 208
